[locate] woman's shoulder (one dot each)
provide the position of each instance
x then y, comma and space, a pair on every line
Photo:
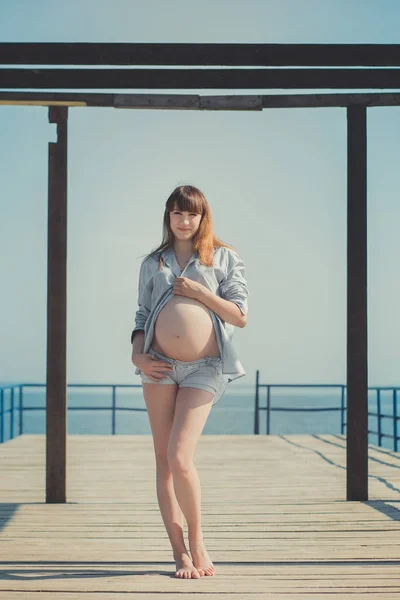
149, 263
227, 261
224, 253
150, 258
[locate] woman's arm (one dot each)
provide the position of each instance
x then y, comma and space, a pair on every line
144, 298
231, 299
138, 343
230, 304
228, 311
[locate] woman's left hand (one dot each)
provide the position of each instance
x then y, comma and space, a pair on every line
183, 286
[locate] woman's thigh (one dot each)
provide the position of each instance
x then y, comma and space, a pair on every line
192, 408
160, 403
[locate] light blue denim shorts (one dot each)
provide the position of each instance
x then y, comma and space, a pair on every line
204, 373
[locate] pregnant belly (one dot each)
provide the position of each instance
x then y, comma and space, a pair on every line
184, 330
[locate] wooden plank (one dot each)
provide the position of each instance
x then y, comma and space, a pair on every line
191, 54
204, 595
56, 99
109, 538
329, 100
153, 101
245, 102
189, 595
56, 376
357, 346
199, 78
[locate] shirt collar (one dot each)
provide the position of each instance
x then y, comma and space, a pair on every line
169, 258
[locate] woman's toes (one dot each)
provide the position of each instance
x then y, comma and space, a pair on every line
185, 568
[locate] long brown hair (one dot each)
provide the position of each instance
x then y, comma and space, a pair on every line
191, 199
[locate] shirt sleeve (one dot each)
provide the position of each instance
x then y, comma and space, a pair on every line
233, 286
145, 287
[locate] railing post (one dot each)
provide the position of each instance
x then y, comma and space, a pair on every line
2, 416
268, 409
395, 434
12, 414
378, 410
113, 410
21, 409
257, 407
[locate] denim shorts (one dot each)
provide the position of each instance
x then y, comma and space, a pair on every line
204, 373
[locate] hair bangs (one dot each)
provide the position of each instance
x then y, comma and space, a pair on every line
187, 198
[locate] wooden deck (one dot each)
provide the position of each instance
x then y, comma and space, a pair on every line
275, 518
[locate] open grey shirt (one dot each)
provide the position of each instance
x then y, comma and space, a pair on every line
226, 278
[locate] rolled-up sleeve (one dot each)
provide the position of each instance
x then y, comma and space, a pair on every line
233, 286
144, 297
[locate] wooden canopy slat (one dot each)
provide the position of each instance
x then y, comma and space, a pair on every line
117, 53
196, 102
199, 78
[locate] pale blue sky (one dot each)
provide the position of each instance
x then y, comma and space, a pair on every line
275, 180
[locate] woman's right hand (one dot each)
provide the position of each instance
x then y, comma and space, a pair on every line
155, 369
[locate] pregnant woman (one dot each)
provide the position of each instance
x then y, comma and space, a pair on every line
192, 293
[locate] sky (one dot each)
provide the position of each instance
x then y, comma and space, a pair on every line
276, 182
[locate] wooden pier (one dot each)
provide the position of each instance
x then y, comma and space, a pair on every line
275, 519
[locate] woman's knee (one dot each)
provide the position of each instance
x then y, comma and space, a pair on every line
162, 464
178, 461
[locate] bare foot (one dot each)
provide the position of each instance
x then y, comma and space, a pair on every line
200, 557
184, 567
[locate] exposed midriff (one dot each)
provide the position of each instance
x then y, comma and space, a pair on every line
184, 330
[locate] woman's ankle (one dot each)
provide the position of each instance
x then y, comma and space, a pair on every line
179, 550
195, 536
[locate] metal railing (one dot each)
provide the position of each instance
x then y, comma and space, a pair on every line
18, 389
342, 407
16, 397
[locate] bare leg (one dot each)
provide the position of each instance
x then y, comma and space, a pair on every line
160, 402
192, 408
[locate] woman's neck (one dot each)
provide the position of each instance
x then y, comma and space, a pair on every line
183, 248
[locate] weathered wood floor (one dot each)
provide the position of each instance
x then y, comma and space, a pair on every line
275, 518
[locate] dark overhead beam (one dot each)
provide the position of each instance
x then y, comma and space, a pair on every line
322, 55
199, 78
196, 102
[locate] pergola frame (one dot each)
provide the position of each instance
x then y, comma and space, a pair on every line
260, 74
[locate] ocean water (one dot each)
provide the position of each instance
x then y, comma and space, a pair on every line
233, 414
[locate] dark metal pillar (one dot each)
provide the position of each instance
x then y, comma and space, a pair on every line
357, 348
56, 379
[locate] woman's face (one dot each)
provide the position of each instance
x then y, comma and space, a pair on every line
184, 224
